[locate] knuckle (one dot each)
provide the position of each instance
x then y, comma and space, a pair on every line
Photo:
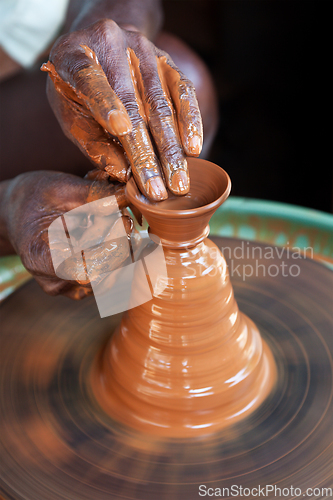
158, 102
52, 286
126, 96
172, 151
142, 44
62, 41
129, 101
187, 82
30, 255
105, 27
187, 88
51, 290
66, 44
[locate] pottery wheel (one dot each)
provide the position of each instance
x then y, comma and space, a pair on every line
56, 443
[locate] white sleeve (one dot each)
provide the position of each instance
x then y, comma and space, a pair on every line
27, 27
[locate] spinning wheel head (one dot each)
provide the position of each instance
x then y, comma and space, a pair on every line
57, 443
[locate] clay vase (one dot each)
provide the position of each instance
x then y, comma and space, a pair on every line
187, 362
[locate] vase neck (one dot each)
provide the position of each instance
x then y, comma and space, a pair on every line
185, 243
182, 221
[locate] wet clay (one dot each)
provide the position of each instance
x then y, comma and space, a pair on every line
76, 110
187, 362
163, 115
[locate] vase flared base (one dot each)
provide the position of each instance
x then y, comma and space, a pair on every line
169, 419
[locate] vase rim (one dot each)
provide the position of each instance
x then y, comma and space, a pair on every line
135, 197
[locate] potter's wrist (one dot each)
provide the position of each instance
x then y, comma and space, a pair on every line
128, 27
145, 16
6, 247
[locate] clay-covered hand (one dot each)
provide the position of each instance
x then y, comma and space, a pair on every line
32, 201
125, 103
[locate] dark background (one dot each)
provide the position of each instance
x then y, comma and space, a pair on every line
271, 61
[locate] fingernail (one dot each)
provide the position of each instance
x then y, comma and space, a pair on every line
120, 123
195, 145
180, 182
156, 189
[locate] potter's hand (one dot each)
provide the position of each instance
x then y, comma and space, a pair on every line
112, 91
31, 202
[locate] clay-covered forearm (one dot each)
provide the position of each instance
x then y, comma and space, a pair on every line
145, 15
6, 247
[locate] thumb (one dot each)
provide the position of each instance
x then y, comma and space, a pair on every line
111, 196
71, 192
